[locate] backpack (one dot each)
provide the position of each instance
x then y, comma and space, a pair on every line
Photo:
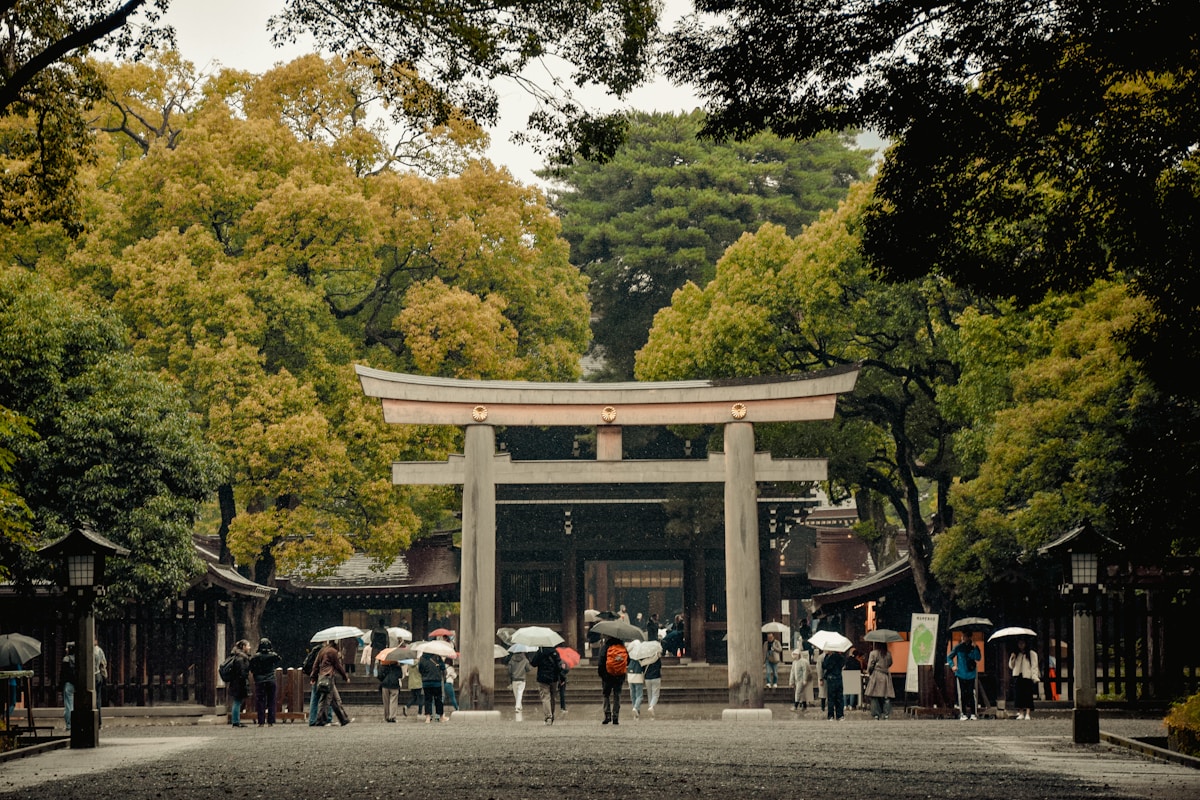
616, 661
228, 669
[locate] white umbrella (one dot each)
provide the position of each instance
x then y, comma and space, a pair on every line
591, 615
399, 634
498, 651
774, 627
505, 635
537, 636
1003, 632
830, 641
337, 632
645, 652
522, 648
437, 648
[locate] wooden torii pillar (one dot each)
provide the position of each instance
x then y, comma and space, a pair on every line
480, 406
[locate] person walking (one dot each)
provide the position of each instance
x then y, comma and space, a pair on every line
1023, 664
880, 690
612, 666
653, 673
262, 668
963, 658
433, 671
68, 675
451, 699
390, 673
518, 666
549, 671
852, 679
563, 669
831, 674
798, 679
652, 628
326, 670
379, 643
415, 687
637, 684
100, 661
772, 651
237, 680
310, 659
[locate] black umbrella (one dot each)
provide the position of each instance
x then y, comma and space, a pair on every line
971, 624
16, 649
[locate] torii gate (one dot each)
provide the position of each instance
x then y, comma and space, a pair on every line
480, 406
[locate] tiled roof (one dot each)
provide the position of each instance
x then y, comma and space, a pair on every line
429, 566
839, 557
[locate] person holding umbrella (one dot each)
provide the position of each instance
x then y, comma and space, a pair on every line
831, 674
963, 659
433, 671
879, 690
518, 665
546, 660
325, 671
612, 666
799, 678
1023, 664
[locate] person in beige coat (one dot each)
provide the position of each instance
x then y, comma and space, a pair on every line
880, 690
799, 678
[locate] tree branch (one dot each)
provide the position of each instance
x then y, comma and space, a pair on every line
11, 90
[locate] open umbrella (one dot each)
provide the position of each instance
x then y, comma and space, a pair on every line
517, 647
1005, 632
395, 654
645, 652
774, 627
569, 656
437, 648
505, 635
618, 630
400, 634
498, 651
971, 624
537, 636
607, 615
883, 635
441, 632
16, 649
337, 632
591, 615
830, 641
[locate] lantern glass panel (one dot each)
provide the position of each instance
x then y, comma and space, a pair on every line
81, 569
1083, 568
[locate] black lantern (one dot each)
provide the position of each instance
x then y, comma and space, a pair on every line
81, 554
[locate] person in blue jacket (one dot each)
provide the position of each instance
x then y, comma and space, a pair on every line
963, 659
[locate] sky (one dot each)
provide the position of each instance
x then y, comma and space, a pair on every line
234, 33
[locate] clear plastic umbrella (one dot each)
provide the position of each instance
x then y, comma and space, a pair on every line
337, 632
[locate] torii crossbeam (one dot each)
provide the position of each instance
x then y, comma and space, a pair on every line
479, 406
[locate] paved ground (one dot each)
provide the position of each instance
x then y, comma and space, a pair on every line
686, 752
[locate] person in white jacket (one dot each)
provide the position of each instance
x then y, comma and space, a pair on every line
1023, 664
798, 679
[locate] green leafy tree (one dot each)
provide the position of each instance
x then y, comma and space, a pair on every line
664, 208
255, 261
16, 533
1055, 447
115, 443
780, 305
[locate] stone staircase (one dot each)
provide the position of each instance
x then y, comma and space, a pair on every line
682, 682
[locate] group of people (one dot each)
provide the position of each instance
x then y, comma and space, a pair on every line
241, 669
830, 669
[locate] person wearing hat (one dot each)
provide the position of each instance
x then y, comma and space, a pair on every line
262, 667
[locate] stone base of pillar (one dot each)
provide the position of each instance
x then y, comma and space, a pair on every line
1086, 725
475, 717
746, 715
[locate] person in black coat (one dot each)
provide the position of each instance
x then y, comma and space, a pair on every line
262, 668
831, 673
546, 661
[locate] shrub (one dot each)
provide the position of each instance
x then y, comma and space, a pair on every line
1183, 726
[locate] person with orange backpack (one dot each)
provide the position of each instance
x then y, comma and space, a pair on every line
613, 664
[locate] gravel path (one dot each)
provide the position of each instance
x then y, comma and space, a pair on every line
685, 753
